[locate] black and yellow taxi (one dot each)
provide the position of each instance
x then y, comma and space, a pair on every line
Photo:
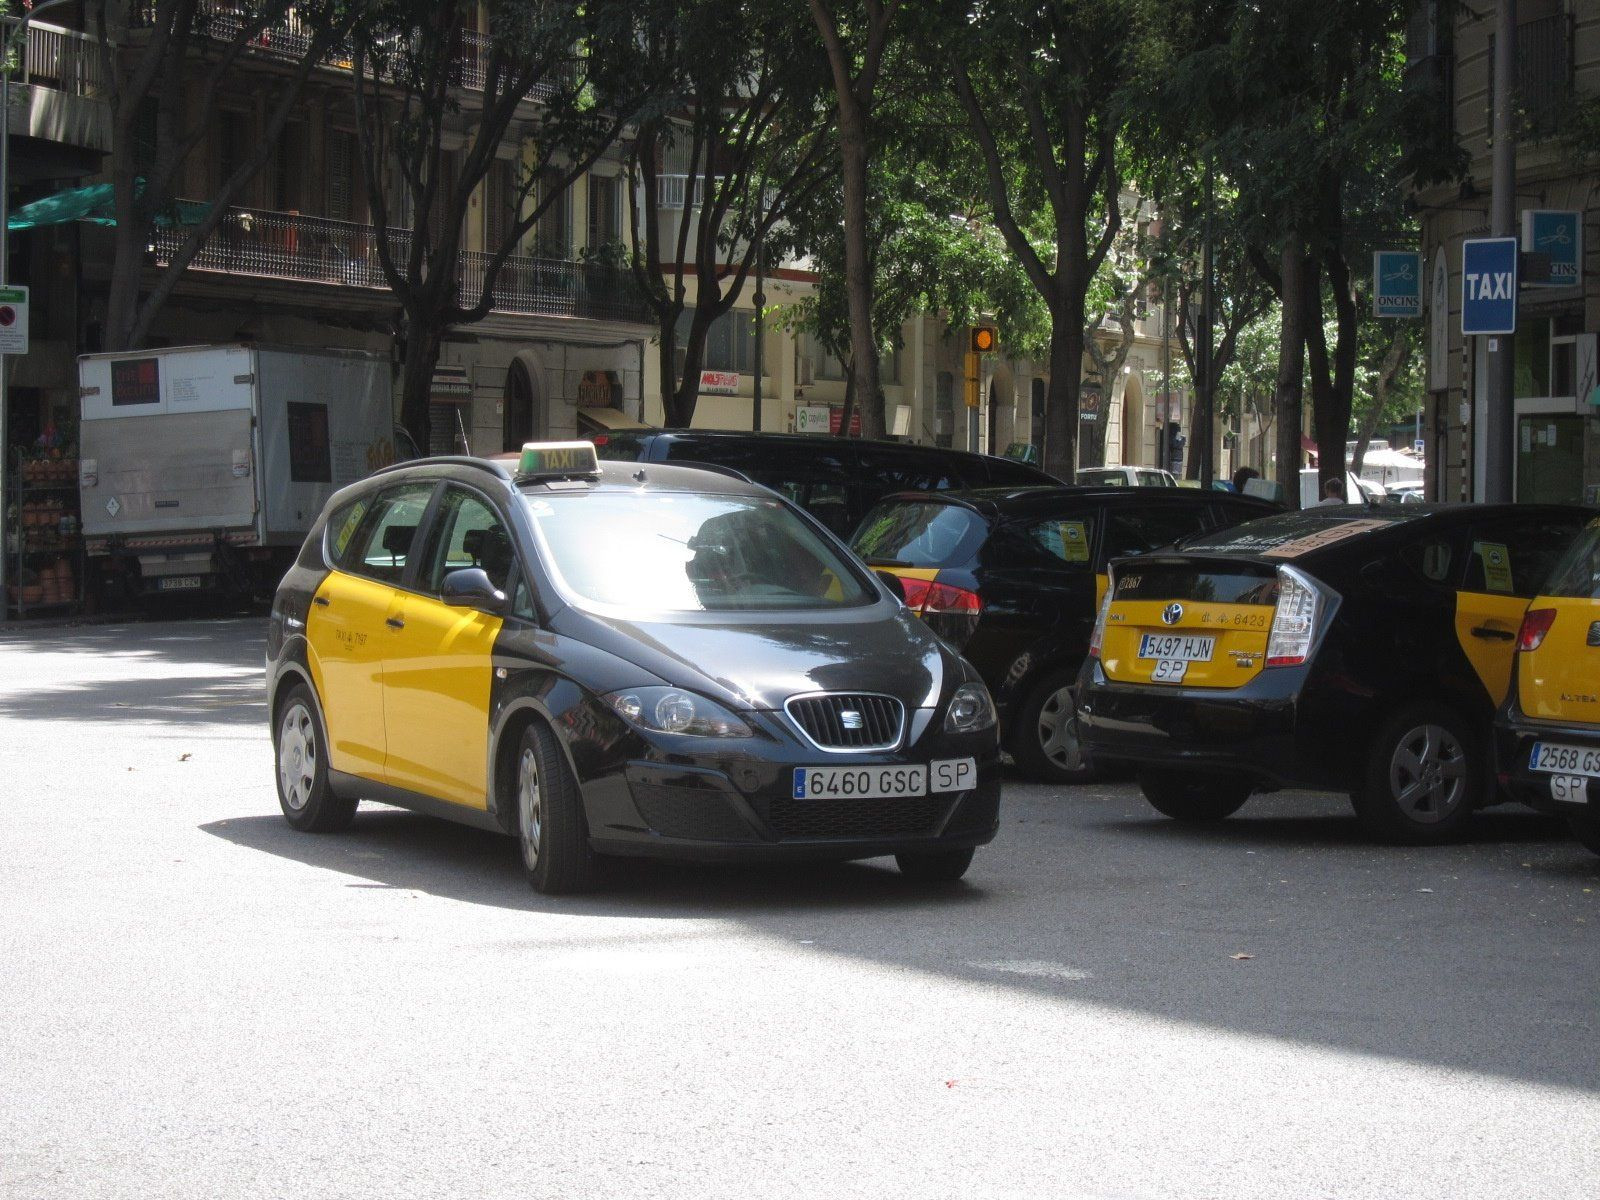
619, 658
1548, 734
1342, 648
1013, 577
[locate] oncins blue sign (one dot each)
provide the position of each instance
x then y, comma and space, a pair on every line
1396, 283
1559, 235
1488, 286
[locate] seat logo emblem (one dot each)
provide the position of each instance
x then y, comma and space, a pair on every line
1172, 614
851, 720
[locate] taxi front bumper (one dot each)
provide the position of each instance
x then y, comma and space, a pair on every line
1267, 730
1515, 737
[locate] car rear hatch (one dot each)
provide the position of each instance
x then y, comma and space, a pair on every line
1207, 622
924, 541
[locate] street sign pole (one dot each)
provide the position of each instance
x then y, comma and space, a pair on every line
1498, 409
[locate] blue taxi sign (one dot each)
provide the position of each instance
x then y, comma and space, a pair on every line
557, 460
1488, 286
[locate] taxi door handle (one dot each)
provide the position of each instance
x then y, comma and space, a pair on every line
322, 600
395, 623
1489, 631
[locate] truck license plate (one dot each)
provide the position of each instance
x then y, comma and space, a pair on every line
178, 583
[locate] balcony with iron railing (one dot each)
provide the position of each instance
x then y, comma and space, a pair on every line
317, 250
58, 91
63, 60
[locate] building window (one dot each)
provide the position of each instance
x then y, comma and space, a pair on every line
730, 342
825, 363
233, 136
554, 234
1544, 69
605, 216
341, 177
498, 201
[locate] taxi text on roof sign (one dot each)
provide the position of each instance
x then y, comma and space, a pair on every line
558, 459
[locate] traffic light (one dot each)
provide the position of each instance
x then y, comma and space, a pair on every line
983, 339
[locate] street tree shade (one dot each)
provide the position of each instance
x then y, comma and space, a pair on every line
427, 146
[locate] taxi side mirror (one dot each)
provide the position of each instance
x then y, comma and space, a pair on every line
471, 587
894, 583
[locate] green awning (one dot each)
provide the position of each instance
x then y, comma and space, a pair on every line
95, 204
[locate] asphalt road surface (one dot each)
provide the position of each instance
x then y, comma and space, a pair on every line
196, 1001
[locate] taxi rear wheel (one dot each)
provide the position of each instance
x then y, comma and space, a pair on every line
1586, 829
935, 866
1424, 777
1045, 745
1187, 796
551, 829
300, 751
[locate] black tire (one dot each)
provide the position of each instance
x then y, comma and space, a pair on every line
550, 826
1424, 776
1586, 828
1192, 797
935, 866
300, 760
1044, 742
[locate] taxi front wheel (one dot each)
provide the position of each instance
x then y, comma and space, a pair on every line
1424, 777
550, 824
1187, 796
300, 747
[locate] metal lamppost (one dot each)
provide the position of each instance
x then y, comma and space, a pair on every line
760, 299
13, 37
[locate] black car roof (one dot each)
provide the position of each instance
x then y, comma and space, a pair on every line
614, 476
1000, 502
811, 441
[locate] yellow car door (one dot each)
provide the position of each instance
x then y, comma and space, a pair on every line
346, 631
439, 660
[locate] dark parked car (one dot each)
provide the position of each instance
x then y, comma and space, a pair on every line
835, 479
1361, 649
1013, 577
604, 659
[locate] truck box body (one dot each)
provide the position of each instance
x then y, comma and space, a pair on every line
191, 453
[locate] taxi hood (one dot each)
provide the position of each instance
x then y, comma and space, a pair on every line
756, 661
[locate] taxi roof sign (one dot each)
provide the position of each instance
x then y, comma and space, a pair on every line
557, 460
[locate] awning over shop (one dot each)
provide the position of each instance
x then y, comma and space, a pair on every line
609, 419
95, 204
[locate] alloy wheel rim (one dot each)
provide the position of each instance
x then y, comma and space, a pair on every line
297, 756
530, 809
1428, 774
1058, 731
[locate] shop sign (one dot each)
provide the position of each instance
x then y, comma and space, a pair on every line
1557, 235
13, 320
836, 419
1089, 404
1488, 286
811, 418
450, 385
1396, 283
719, 383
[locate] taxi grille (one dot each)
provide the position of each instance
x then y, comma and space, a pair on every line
864, 820
849, 721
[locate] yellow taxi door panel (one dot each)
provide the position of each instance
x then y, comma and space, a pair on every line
1486, 627
345, 639
436, 699
1560, 681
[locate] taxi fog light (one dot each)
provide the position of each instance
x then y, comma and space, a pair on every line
970, 709
1294, 621
672, 710
1536, 624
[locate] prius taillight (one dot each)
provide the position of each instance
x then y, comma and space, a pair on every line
1536, 623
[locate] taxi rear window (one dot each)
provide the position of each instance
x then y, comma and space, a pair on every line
1577, 575
919, 534
1249, 583
690, 552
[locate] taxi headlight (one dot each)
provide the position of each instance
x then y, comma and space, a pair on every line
970, 709
672, 710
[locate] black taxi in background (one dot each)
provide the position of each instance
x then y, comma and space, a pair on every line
1345, 648
1013, 578
1549, 729
628, 659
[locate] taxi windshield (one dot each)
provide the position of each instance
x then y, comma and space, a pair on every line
1577, 576
689, 552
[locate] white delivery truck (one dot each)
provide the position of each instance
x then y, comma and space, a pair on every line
202, 467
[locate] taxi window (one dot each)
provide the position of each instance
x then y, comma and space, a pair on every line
690, 552
342, 526
919, 534
1577, 575
468, 533
1065, 537
382, 544
1514, 555
1431, 558
1132, 530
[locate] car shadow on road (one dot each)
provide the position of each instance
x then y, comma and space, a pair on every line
397, 849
